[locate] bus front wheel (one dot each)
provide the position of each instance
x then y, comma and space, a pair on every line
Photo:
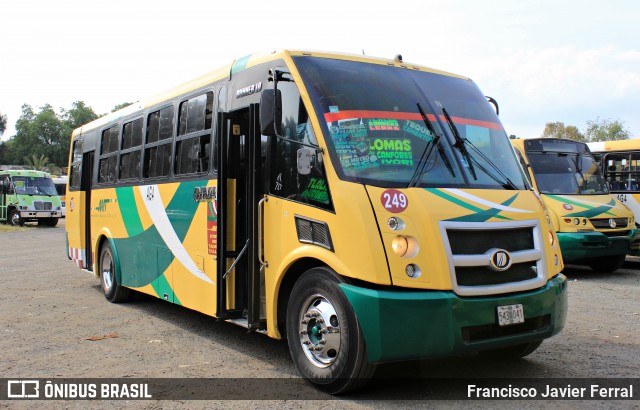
113, 292
15, 219
607, 264
325, 339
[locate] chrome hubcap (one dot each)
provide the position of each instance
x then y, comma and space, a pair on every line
319, 331
107, 271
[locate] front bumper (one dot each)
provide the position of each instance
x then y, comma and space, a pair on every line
409, 325
576, 246
40, 214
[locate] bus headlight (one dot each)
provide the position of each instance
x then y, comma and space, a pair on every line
395, 223
404, 246
400, 245
412, 271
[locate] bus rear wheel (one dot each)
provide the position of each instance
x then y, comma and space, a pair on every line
112, 290
325, 339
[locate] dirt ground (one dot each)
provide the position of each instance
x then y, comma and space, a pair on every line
50, 311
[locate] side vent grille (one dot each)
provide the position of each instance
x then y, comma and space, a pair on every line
313, 232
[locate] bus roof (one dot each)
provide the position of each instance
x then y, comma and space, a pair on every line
619, 145
239, 65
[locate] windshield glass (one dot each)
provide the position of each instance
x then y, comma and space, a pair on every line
376, 134
34, 186
567, 173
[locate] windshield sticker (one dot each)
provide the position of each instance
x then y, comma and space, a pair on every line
316, 191
384, 125
417, 130
350, 140
394, 201
392, 151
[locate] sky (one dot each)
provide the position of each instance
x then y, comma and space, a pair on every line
569, 61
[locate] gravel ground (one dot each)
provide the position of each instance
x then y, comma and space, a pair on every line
50, 310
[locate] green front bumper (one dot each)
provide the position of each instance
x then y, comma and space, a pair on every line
576, 246
408, 325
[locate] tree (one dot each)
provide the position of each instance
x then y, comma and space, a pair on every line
559, 130
78, 115
606, 130
38, 163
121, 106
3, 123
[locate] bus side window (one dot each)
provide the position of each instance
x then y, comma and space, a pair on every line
285, 180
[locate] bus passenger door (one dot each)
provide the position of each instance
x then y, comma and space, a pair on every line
240, 166
4, 188
86, 184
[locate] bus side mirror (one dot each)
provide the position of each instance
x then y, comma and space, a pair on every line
271, 113
304, 161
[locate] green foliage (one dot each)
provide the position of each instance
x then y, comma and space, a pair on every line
559, 130
598, 130
121, 106
38, 163
3, 123
606, 130
45, 134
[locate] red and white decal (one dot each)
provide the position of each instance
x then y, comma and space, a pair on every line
394, 201
568, 207
78, 256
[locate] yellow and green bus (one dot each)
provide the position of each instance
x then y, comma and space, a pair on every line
593, 227
367, 210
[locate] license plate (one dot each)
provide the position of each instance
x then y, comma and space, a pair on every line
510, 315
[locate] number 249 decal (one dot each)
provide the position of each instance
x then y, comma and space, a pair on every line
394, 201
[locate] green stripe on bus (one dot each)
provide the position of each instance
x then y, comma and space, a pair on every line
129, 211
162, 286
481, 215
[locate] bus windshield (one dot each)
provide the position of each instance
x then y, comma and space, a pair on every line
26, 185
392, 127
567, 173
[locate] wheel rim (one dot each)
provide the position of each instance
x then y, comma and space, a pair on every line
15, 219
106, 268
319, 330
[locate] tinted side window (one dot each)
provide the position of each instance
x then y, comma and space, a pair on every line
131, 150
193, 148
157, 153
108, 155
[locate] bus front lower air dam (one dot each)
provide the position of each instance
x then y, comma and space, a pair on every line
366, 210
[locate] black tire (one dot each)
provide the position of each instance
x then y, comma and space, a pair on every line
113, 292
607, 264
48, 222
15, 219
512, 352
325, 339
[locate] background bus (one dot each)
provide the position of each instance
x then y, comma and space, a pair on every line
61, 188
593, 227
620, 164
28, 196
351, 205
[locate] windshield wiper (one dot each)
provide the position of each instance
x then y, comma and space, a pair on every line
424, 159
460, 143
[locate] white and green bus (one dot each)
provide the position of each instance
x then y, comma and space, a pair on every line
28, 196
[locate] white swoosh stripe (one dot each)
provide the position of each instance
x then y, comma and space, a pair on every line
163, 225
484, 202
582, 201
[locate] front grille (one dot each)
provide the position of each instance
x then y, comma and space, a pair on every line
483, 276
603, 223
470, 242
472, 334
42, 205
479, 248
